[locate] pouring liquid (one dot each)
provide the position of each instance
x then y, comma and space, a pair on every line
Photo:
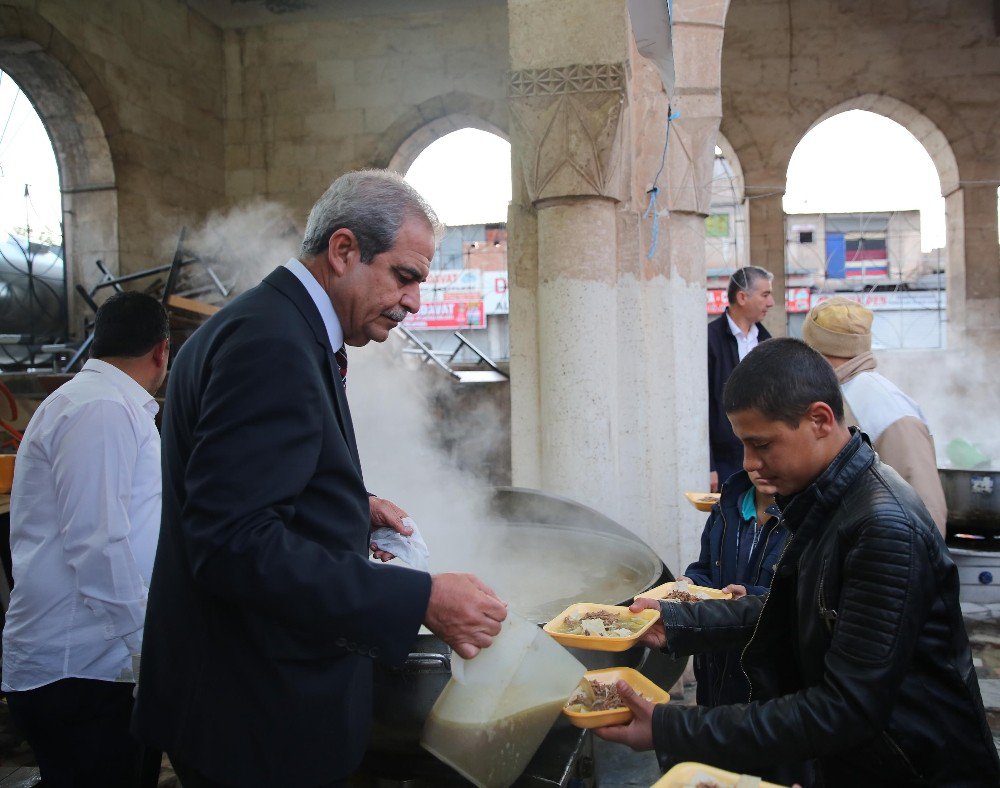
498, 748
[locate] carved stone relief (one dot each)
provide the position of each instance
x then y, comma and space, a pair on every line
570, 121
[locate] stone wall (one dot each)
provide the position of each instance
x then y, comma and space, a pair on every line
153, 74
309, 101
933, 67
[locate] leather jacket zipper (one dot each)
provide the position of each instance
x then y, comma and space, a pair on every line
763, 607
763, 553
828, 615
722, 542
902, 756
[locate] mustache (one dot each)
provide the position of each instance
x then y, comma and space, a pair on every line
398, 314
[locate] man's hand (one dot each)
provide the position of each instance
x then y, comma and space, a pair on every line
464, 612
683, 579
713, 481
385, 514
638, 734
736, 590
656, 635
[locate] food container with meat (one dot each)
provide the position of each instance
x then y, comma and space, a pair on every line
600, 627
703, 502
595, 703
683, 592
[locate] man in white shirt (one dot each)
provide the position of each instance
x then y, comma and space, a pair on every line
730, 337
85, 517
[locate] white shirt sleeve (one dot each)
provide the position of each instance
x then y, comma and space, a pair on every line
94, 455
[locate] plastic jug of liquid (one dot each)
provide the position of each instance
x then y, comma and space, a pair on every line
496, 709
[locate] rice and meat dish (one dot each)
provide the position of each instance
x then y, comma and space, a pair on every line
594, 695
683, 596
601, 623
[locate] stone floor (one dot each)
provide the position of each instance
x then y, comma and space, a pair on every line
617, 766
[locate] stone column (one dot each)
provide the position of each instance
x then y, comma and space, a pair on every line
570, 118
766, 218
982, 260
608, 383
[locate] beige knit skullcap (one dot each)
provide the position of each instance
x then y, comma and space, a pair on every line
839, 327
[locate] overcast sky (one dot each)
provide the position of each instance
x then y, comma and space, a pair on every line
25, 158
856, 161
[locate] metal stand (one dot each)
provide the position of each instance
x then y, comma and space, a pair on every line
174, 270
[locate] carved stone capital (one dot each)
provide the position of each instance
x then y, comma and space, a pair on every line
570, 120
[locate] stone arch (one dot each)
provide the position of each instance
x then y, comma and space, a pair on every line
733, 159
415, 144
728, 195
79, 118
915, 122
419, 126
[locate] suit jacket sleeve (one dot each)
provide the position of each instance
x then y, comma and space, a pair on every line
700, 572
712, 405
255, 448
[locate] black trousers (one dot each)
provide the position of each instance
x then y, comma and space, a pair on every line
191, 778
79, 732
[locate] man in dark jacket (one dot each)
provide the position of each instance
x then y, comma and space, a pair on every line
858, 657
730, 337
265, 615
740, 546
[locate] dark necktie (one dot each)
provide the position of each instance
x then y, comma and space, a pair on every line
341, 356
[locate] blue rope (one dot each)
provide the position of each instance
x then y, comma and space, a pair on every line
653, 192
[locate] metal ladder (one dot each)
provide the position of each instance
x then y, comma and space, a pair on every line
491, 375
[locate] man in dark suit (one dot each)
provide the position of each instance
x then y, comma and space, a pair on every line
265, 614
730, 337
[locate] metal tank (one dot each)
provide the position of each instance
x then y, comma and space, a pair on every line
32, 291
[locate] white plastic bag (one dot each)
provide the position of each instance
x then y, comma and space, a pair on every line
411, 550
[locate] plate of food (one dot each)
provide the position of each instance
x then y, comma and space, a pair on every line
683, 592
700, 775
703, 502
600, 627
596, 703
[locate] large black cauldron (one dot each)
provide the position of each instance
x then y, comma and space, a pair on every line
541, 553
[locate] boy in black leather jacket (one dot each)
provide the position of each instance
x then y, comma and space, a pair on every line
858, 658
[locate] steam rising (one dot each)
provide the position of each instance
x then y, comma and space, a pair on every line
956, 389
246, 243
430, 446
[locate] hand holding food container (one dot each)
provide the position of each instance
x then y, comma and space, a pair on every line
617, 703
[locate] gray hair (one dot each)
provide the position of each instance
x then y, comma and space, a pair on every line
372, 204
745, 279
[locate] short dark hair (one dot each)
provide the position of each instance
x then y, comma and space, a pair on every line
745, 279
129, 325
781, 378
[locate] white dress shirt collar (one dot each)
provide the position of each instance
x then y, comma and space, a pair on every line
322, 301
738, 332
745, 341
